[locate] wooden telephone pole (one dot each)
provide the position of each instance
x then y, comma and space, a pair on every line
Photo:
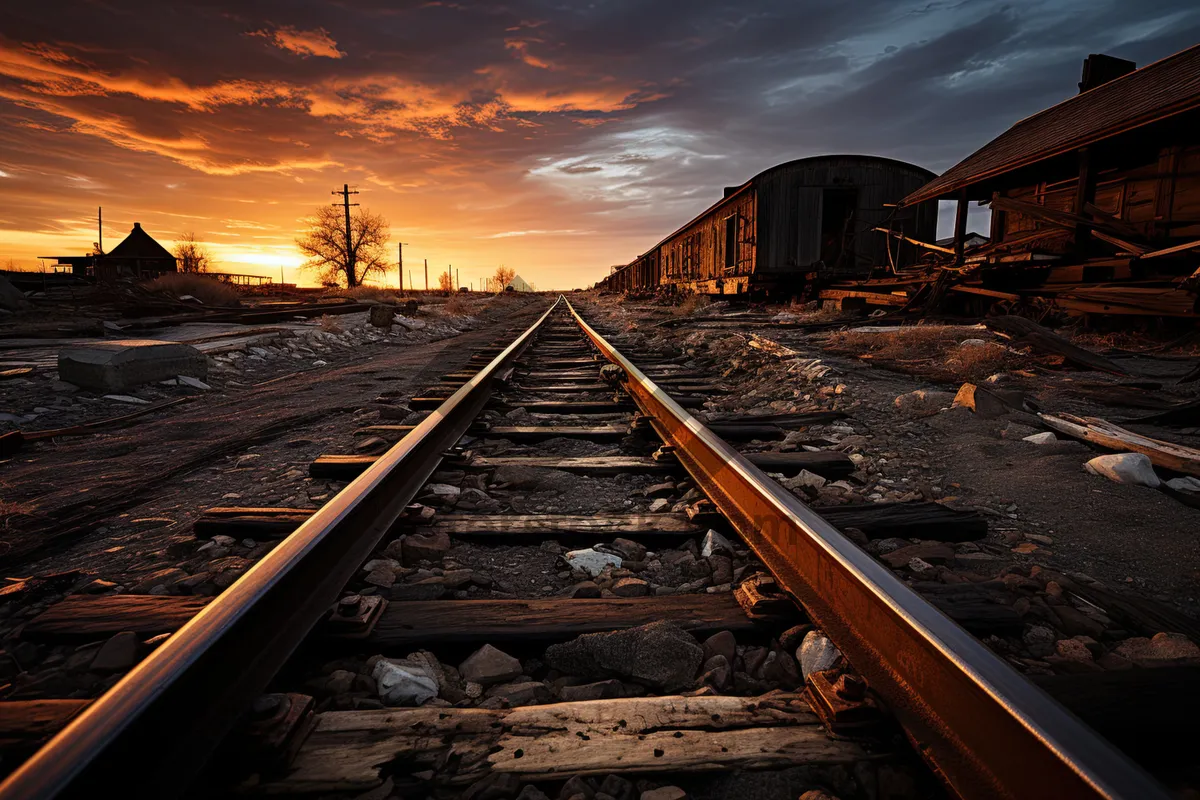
401, 270
427, 274
351, 278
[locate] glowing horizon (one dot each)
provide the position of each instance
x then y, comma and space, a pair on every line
556, 140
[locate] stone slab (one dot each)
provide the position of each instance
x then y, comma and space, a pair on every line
123, 364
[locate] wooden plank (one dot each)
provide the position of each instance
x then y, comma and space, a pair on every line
349, 751
560, 525
424, 623
1104, 433
908, 521
517, 433
261, 523
279, 522
604, 387
582, 465
1028, 331
85, 617
826, 464
25, 723
878, 298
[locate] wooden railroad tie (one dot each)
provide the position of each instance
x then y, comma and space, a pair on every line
346, 749
417, 623
825, 464
931, 521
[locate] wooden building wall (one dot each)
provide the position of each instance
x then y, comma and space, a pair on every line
792, 200
717, 244
1158, 195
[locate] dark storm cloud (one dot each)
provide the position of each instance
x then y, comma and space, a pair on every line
529, 118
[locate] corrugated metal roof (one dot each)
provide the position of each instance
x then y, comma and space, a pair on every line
1154, 92
139, 244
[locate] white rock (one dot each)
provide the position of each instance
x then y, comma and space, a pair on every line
972, 343
805, 479
591, 561
1131, 468
661, 504
1187, 484
1045, 437
443, 491
195, 383
319, 363
816, 653
403, 684
124, 398
715, 543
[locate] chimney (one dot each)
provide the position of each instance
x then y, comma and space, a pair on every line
1099, 69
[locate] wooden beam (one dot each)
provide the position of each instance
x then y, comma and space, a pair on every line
349, 751
1027, 331
1170, 251
960, 226
1167, 455
916, 242
548, 526
428, 623
90, 618
26, 723
1085, 192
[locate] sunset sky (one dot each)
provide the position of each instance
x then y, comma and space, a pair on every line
557, 138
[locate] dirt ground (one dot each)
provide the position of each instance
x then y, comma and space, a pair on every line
112, 503
1122, 535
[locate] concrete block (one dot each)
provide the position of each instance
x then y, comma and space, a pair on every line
122, 364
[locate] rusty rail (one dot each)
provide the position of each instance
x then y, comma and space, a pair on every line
155, 729
984, 728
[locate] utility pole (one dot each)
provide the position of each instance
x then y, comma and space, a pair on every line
401, 270
100, 228
457, 279
345, 193
427, 274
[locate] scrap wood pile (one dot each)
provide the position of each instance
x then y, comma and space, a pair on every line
1122, 272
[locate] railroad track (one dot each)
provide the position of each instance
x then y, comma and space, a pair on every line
224, 700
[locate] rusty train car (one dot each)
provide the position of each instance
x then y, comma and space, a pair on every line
785, 228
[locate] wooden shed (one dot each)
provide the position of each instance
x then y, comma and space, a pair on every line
1095, 201
137, 256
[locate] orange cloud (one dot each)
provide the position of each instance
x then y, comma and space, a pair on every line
522, 50
303, 43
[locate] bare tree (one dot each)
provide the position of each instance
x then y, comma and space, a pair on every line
445, 282
193, 256
324, 244
503, 276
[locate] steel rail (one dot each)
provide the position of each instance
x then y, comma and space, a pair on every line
984, 728
152, 732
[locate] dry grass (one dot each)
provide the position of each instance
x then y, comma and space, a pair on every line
456, 306
329, 324
376, 293
209, 291
935, 350
691, 304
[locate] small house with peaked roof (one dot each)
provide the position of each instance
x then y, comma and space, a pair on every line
138, 256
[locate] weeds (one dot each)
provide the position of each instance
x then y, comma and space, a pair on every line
376, 293
940, 345
329, 324
209, 291
691, 304
456, 306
